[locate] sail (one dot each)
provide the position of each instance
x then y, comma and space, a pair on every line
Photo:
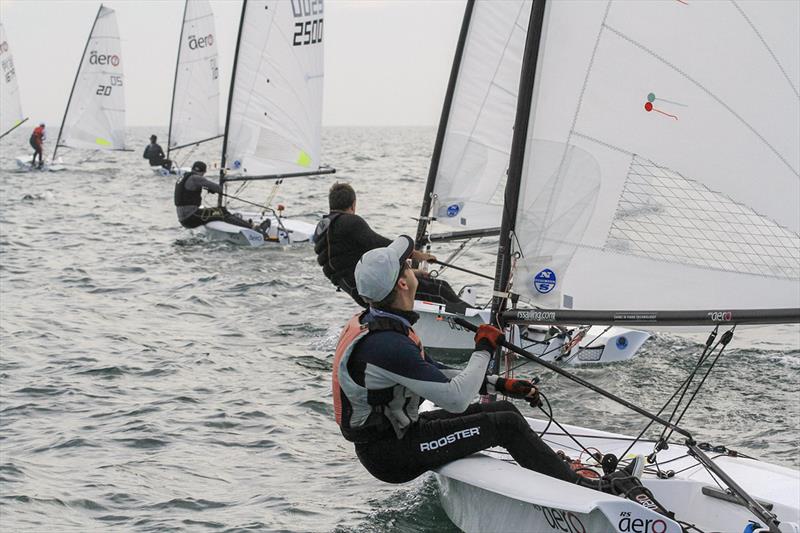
10, 106
95, 115
662, 159
468, 192
275, 108
195, 99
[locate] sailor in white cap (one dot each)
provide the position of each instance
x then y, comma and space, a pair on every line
381, 375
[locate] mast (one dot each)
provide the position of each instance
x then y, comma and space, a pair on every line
230, 104
175, 81
75, 82
517, 160
424, 212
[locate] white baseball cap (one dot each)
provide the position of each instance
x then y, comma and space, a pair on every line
378, 270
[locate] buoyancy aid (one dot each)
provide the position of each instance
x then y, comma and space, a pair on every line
364, 414
38, 135
183, 196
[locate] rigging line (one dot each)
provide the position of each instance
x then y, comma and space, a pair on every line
726, 338
581, 349
687, 383
682, 387
546, 352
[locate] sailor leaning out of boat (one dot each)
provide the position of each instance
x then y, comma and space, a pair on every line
381, 375
188, 200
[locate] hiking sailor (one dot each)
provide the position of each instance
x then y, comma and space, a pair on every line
36, 140
154, 153
381, 375
342, 237
188, 197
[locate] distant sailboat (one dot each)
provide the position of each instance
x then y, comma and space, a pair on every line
274, 118
95, 115
194, 113
11, 116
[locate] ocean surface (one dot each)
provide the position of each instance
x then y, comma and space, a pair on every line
151, 380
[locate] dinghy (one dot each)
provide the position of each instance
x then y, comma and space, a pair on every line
699, 153
94, 118
467, 176
274, 117
194, 112
11, 116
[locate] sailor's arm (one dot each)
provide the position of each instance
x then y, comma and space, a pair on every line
195, 183
452, 393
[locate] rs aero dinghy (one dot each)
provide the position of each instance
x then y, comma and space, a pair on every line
616, 103
464, 193
94, 118
194, 112
274, 118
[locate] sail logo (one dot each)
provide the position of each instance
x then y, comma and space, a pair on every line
103, 59
622, 342
453, 210
544, 281
200, 42
3, 47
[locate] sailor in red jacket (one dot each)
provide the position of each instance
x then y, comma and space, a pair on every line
37, 138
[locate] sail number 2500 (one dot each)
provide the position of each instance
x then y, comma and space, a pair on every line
308, 32
105, 90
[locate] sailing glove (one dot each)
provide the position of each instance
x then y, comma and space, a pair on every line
520, 389
487, 338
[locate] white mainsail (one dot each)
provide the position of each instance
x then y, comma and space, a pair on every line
275, 108
10, 106
195, 98
95, 114
470, 179
662, 161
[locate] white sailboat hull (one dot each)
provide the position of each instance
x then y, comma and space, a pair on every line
289, 231
161, 171
485, 492
443, 338
24, 163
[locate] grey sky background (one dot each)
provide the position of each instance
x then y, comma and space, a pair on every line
386, 61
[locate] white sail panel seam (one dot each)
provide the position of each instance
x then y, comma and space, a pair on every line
764, 42
708, 92
486, 96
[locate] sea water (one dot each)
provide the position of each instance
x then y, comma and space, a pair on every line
151, 380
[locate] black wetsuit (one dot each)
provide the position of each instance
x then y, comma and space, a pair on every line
188, 197
155, 154
387, 367
339, 242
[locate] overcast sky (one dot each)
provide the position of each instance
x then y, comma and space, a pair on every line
386, 61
